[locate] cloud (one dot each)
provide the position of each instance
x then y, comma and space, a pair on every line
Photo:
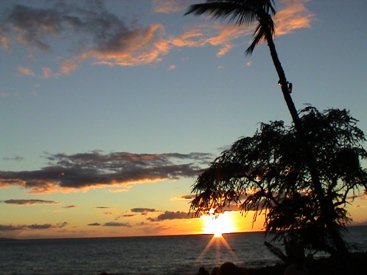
10, 227
102, 207
293, 16
94, 224
168, 215
142, 210
170, 6
172, 67
29, 202
139, 47
4, 41
185, 198
32, 25
218, 35
107, 39
95, 170
26, 71
61, 225
117, 224
69, 206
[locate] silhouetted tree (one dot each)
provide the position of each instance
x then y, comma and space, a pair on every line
267, 173
261, 11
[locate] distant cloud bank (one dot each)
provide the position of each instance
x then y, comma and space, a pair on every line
9, 227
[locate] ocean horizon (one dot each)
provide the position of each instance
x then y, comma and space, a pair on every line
144, 255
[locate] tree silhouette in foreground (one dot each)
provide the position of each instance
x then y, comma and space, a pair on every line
261, 11
267, 174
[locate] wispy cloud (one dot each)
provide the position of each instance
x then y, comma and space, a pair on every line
117, 224
107, 38
291, 16
170, 6
294, 15
93, 170
11, 227
26, 71
69, 206
29, 202
111, 40
184, 198
94, 224
218, 35
142, 210
169, 215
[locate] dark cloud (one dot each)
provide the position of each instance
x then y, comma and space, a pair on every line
103, 35
4, 227
33, 25
94, 224
39, 226
103, 207
70, 206
10, 227
29, 202
117, 224
142, 210
99, 170
62, 224
111, 40
168, 215
187, 197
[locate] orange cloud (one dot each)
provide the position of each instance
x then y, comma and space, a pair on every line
169, 6
25, 71
292, 17
4, 41
213, 35
141, 47
127, 45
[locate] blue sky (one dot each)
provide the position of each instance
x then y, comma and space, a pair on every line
147, 96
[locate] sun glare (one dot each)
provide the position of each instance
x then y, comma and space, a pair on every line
218, 224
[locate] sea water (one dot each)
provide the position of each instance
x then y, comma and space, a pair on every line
165, 255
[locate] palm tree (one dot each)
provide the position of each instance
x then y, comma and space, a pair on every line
261, 11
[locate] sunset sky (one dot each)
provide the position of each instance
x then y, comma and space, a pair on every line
108, 109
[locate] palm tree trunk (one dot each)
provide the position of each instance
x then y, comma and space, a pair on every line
326, 205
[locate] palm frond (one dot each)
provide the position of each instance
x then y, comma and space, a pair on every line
259, 35
241, 12
233, 11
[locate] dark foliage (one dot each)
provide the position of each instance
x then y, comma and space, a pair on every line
267, 173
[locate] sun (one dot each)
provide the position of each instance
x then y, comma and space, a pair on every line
218, 224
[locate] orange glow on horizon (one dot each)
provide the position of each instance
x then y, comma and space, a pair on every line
218, 224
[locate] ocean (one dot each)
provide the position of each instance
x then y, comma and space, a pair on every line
163, 255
